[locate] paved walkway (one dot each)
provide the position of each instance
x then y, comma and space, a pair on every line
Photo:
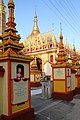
36, 91
75, 113
49, 109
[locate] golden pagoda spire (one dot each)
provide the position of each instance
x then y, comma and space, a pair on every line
35, 27
75, 60
10, 39
11, 18
67, 45
74, 54
61, 55
61, 38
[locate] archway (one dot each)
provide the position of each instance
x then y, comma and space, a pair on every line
39, 64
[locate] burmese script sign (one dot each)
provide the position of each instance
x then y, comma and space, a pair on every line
20, 91
59, 73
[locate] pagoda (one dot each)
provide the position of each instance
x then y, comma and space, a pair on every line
35, 74
10, 40
76, 66
41, 45
61, 75
15, 97
62, 56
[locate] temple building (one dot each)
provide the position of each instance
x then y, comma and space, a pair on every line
2, 17
43, 46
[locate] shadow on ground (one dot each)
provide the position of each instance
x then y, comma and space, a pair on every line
49, 109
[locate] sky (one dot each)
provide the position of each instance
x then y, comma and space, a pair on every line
50, 13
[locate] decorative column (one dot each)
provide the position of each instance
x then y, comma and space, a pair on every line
61, 75
15, 97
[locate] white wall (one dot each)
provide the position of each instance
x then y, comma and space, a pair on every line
4, 90
73, 81
47, 68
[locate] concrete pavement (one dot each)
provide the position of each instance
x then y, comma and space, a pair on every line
49, 109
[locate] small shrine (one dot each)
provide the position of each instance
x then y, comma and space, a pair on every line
76, 67
46, 86
15, 98
47, 80
35, 75
61, 75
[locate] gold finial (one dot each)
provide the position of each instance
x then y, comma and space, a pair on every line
61, 28
67, 45
11, 0
35, 12
11, 18
61, 37
35, 27
74, 48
